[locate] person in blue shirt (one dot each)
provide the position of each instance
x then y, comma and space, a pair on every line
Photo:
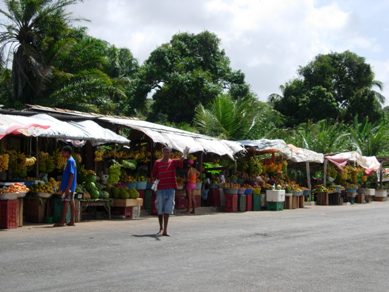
68, 186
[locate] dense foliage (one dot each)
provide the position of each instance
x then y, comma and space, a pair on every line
336, 86
188, 82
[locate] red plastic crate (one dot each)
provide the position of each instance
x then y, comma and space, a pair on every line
249, 202
141, 194
8, 214
214, 198
180, 202
231, 203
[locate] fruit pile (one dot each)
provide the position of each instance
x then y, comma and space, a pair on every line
14, 188
51, 187
46, 162
114, 172
123, 193
17, 164
60, 161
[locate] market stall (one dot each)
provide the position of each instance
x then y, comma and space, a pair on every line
294, 193
38, 165
352, 174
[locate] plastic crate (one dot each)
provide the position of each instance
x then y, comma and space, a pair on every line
275, 206
275, 195
242, 203
249, 202
57, 208
135, 212
180, 202
8, 214
231, 203
257, 202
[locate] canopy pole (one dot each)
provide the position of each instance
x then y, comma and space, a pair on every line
325, 172
308, 170
381, 176
37, 157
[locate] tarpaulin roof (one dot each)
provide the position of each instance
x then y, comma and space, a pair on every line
179, 139
290, 151
369, 163
98, 133
13, 124
86, 130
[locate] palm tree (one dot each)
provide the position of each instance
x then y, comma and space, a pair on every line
370, 139
322, 137
245, 118
32, 27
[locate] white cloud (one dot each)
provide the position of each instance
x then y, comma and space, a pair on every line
267, 39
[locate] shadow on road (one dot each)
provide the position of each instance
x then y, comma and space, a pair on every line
155, 236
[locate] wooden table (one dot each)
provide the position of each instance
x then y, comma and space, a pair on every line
85, 204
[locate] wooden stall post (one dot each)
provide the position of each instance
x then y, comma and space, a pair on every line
325, 172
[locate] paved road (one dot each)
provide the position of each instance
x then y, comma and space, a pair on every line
342, 248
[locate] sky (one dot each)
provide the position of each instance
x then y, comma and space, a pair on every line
267, 39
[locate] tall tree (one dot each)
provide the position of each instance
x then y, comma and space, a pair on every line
5, 86
189, 70
336, 86
91, 75
32, 26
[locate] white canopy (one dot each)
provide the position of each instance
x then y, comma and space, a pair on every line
290, 151
13, 124
86, 130
179, 139
370, 163
98, 133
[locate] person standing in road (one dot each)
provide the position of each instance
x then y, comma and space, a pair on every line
164, 171
68, 186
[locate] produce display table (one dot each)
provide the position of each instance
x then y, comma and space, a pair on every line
126, 208
85, 204
35, 209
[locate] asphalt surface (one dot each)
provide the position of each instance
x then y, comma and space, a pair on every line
339, 248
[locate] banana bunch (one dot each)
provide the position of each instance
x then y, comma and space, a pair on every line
60, 161
46, 162
77, 157
30, 161
4, 162
99, 155
17, 163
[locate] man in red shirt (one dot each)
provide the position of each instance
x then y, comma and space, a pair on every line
164, 170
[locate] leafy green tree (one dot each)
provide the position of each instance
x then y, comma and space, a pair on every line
337, 86
228, 118
189, 70
32, 26
5, 86
91, 75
